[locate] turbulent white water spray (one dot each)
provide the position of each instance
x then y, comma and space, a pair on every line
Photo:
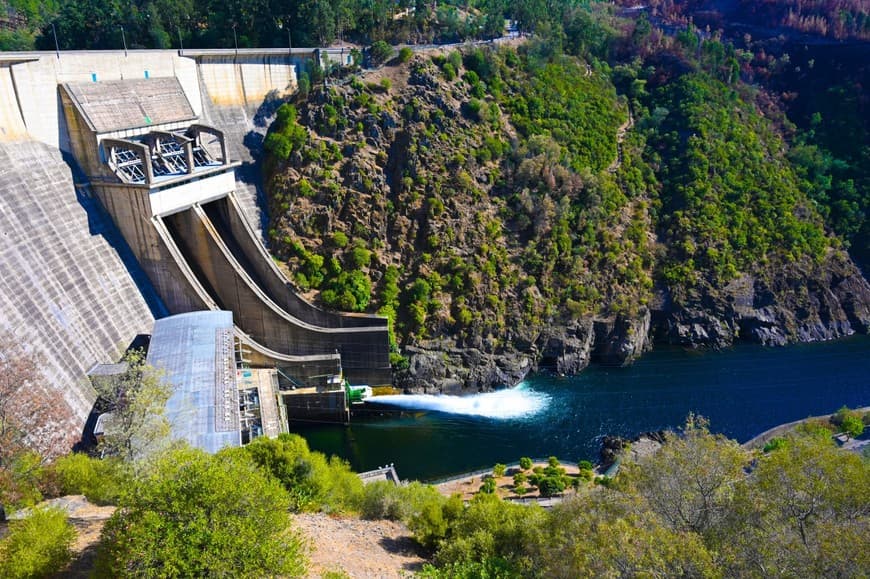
513, 403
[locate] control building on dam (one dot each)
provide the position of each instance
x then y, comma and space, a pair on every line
127, 196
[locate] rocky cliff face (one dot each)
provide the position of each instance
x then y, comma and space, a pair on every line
784, 302
496, 259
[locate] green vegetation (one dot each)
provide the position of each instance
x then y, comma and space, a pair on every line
136, 400
100, 481
37, 545
201, 515
405, 54
313, 482
700, 506
593, 163
849, 421
730, 200
380, 52
286, 134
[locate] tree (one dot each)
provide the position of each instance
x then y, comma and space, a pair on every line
204, 516
136, 399
27, 416
852, 425
525, 463
803, 512
488, 486
689, 482
380, 52
550, 486
849, 421
313, 481
36, 546
610, 534
491, 528
101, 481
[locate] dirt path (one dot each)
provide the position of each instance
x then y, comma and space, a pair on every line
620, 136
362, 549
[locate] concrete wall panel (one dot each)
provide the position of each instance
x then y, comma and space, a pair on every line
37, 82
180, 197
11, 124
70, 290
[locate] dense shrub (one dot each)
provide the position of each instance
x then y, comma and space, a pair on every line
405, 54
380, 52
313, 481
385, 500
101, 481
205, 516
36, 546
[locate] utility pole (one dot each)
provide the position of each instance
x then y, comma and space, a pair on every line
180, 43
235, 40
56, 45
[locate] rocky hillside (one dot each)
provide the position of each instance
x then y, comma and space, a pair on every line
506, 211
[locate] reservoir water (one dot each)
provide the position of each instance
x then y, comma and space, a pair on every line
743, 391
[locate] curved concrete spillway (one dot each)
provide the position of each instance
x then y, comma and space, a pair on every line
230, 286
226, 216
257, 353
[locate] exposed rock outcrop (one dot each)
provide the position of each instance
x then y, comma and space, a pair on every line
793, 302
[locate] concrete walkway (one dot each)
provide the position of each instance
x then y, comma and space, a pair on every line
782, 429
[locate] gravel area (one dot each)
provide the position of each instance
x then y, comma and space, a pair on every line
361, 549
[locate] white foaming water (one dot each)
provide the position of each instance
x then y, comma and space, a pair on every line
515, 402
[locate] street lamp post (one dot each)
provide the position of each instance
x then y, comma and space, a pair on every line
124, 40
180, 43
235, 40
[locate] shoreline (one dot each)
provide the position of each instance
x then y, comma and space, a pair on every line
770, 433
458, 482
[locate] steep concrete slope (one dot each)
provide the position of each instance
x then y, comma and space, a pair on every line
67, 291
245, 127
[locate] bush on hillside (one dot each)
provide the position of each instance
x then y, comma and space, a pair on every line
37, 546
199, 515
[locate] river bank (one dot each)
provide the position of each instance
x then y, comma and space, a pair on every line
783, 429
743, 391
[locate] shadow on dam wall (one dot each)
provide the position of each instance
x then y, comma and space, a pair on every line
100, 224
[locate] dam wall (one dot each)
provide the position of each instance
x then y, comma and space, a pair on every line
71, 292
235, 90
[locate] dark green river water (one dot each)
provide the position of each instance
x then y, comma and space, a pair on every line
743, 391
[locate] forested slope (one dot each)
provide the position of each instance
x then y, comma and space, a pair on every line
501, 208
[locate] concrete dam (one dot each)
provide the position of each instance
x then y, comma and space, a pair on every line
130, 192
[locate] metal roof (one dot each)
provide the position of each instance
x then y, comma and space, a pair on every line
195, 352
116, 105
